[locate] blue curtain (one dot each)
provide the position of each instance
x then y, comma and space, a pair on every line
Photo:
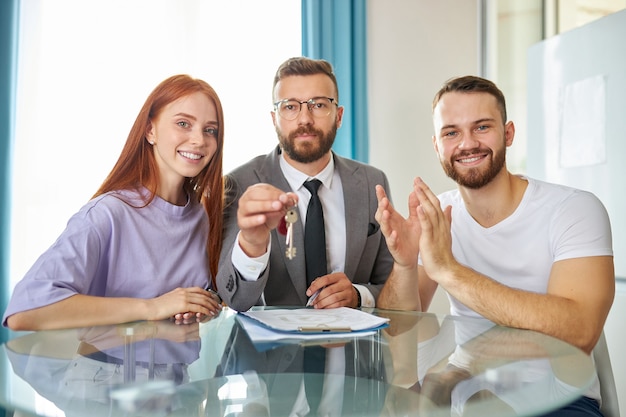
335, 30
8, 65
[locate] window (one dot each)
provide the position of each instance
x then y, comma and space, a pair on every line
85, 69
510, 28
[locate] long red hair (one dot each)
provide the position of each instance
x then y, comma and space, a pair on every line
136, 165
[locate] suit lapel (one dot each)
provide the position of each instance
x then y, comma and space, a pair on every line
356, 212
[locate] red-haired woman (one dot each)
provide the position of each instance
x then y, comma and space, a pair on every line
146, 246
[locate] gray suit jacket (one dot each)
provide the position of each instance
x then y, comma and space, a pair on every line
368, 260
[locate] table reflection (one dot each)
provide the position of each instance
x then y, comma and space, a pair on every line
421, 364
93, 371
470, 366
332, 378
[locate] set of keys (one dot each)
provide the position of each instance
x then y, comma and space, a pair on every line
290, 218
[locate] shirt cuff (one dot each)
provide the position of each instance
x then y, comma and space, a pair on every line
367, 299
250, 269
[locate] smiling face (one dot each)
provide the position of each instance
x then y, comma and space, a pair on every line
184, 137
471, 138
307, 139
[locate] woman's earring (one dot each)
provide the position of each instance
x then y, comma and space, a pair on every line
151, 142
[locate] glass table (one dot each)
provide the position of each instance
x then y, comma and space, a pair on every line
420, 364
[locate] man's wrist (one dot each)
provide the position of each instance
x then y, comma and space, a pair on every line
253, 250
249, 269
358, 297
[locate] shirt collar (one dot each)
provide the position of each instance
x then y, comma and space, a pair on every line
297, 178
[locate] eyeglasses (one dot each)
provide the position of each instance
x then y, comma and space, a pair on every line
289, 109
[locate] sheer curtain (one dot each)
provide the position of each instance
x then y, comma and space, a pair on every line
85, 69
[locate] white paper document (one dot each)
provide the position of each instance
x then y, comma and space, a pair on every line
309, 320
265, 338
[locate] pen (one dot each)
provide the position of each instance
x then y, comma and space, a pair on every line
324, 329
313, 297
309, 303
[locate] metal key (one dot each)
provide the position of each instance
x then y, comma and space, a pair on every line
290, 218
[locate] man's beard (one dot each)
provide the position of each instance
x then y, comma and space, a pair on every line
304, 151
475, 178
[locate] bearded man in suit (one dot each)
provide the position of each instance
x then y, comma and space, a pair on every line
255, 267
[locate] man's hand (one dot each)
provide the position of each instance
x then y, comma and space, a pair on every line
435, 223
336, 290
261, 208
402, 235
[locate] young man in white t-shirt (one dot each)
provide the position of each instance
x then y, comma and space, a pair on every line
517, 251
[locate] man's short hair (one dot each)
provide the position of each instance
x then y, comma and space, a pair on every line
472, 84
305, 66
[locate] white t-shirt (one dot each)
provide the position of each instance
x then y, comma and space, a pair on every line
551, 223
